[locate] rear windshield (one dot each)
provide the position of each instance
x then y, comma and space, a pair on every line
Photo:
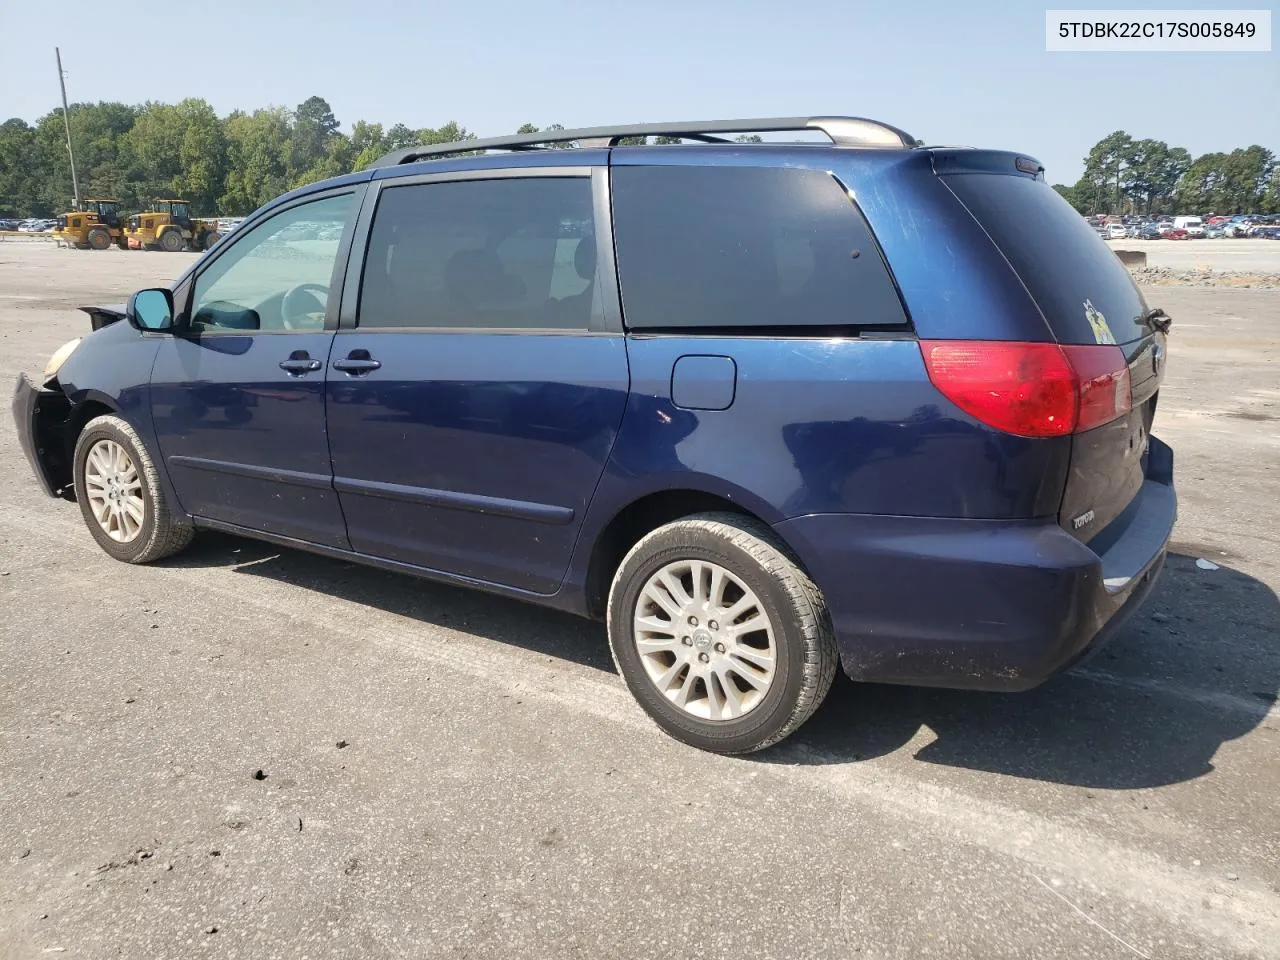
1081, 287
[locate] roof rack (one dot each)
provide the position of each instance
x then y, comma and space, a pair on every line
843, 131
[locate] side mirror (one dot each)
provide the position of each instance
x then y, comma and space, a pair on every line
151, 310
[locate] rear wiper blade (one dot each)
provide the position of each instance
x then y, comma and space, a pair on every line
1156, 319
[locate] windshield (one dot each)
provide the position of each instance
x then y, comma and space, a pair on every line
1083, 290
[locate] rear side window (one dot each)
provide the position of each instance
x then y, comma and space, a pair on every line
1081, 287
746, 247
513, 253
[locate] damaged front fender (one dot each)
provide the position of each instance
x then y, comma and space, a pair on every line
100, 317
40, 416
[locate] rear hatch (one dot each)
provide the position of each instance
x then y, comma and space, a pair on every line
1087, 298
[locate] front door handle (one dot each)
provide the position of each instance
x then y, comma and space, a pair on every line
357, 363
300, 362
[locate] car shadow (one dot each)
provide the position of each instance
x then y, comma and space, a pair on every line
1197, 666
535, 628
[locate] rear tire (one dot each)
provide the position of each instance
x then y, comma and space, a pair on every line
120, 495
171, 241
683, 650
99, 239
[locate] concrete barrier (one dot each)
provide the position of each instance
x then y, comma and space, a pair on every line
1132, 258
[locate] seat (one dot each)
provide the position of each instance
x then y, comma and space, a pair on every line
574, 311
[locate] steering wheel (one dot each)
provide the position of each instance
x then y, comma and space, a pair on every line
303, 306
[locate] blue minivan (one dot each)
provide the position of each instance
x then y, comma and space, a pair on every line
763, 408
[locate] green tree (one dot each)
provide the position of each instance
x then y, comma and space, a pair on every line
1070, 195
1270, 202
368, 144
97, 130
399, 137
314, 126
22, 170
1155, 175
258, 150
1245, 174
176, 150
1106, 166
1201, 186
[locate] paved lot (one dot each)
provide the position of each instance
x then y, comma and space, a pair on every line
501, 796
1250, 256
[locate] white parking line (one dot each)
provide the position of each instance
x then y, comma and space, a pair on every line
1214, 699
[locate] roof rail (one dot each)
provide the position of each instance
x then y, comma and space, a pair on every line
843, 131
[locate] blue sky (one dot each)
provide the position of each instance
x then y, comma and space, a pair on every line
971, 72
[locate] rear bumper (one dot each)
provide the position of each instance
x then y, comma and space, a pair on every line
36, 415
982, 604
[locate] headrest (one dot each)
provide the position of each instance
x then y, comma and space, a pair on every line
584, 258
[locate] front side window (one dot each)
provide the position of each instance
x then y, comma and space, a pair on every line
510, 253
746, 248
276, 276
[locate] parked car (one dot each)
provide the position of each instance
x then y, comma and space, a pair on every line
1116, 231
1193, 226
1176, 234
1149, 231
745, 412
1214, 232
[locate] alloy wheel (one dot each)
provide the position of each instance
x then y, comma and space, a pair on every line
705, 640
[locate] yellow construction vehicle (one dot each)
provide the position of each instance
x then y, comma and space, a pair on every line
94, 226
167, 225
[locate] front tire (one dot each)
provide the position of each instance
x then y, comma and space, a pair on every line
719, 634
171, 241
120, 495
211, 238
99, 239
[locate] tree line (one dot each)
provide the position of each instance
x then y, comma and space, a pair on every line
1124, 175
224, 165
232, 165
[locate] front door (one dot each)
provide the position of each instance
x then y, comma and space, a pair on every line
473, 403
238, 393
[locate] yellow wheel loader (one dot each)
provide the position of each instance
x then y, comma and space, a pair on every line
167, 225
94, 226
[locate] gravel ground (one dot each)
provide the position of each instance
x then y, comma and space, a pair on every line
1168, 277
445, 774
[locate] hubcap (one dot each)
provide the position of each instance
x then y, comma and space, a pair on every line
114, 490
705, 640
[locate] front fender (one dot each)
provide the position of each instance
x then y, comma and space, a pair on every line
111, 369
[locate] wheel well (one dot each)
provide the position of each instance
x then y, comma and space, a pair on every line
82, 415
632, 523
76, 423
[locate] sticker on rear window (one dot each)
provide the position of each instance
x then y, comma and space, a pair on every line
1098, 324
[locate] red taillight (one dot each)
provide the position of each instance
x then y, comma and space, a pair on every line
1031, 389
1103, 379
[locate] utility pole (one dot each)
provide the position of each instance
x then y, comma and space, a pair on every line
66, 119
